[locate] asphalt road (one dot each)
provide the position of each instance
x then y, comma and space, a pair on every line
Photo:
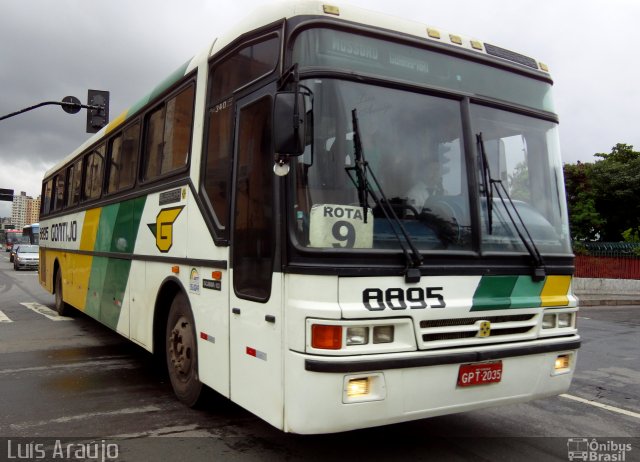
69, 385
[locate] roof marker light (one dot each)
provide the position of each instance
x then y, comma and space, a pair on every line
433, 33
455, 39
476, 45
330, 9
544, 67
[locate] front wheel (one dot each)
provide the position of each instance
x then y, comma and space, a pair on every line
182, 352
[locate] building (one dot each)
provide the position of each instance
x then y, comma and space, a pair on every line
33, 211
25, 210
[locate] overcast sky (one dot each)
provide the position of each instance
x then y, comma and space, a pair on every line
53, 48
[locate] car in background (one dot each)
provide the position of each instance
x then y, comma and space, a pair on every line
26, 256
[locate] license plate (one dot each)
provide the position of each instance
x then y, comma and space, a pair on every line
479, 374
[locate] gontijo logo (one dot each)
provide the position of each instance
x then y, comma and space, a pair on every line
66, 231
162, 229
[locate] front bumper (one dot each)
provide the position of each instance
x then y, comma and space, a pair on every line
417, 385
26, 264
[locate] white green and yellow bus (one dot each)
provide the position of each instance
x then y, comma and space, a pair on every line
335, 218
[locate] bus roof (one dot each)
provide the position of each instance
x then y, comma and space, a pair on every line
276, 11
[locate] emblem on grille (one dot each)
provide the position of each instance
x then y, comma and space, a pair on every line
484, 328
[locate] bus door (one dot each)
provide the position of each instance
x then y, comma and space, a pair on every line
256, 317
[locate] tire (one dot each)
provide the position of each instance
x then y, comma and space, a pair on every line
61, 307
15, 267
182, 352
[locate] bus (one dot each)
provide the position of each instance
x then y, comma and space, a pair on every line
335, 218
13, 237
32, 233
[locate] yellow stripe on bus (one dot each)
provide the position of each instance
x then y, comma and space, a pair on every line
77, 268
90, 229
556, 291
116, 122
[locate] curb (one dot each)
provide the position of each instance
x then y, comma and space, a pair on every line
603, 301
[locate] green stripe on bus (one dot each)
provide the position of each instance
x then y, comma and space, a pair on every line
526, 293
105, 228
504, 292
166, 83
494, 293
126, 224
117, 232
160, 88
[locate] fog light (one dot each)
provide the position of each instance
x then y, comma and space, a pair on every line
564, 320
549, 321
357, 335
357, 388
562, 362
383, 334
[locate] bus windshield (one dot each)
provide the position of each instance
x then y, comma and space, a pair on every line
414, 145
14, 237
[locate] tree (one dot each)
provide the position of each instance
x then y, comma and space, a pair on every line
604, 197
585, 222
616, 181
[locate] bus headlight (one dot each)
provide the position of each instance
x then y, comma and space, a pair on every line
383, 334
358, 335
549, 321
347, 337
559, 322
564, 319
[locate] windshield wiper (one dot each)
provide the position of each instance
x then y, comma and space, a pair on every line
539, 271
486, 181
361, 165
362, 170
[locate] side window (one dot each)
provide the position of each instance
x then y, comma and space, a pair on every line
124, 159
233, 72
168, 137
74, 181
58, 191
244, 66
254, 245
47, 189
218, 166
93, 165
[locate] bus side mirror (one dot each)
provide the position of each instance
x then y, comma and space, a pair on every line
288, 124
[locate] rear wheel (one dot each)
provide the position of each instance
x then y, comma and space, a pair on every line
182, 352
61, 307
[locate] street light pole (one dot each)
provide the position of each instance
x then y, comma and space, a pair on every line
97, 117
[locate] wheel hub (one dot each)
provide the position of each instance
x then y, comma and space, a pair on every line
181, 346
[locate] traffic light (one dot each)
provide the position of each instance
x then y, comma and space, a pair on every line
97, 118
6, 195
